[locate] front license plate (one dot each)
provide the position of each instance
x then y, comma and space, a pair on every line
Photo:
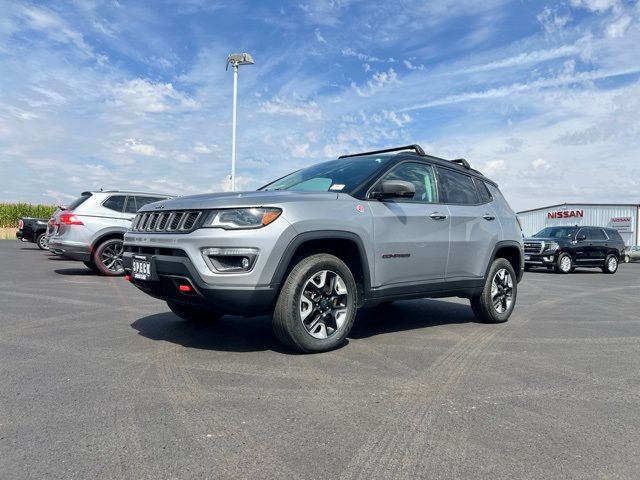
141, 268
527, 257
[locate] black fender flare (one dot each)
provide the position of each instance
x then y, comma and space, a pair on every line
502, 244
298, 240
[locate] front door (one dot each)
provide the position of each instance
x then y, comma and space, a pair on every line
411, 234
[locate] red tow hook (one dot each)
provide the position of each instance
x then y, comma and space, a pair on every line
128, 278
185, 288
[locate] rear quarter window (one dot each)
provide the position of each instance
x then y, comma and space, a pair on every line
457, 188
115, 203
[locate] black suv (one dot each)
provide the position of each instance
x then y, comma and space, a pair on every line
565, 248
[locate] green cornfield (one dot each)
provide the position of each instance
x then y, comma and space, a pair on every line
10, 212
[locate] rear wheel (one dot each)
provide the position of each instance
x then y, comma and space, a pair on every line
498, 297
193, 314
42, 242
610, 264
564, 263
627, 259
317, 304
107, 257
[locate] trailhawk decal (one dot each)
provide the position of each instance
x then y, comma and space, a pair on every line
395, 255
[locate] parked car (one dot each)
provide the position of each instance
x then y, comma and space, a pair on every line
315, 245
565, 248
91, 228
33, 230
632, 254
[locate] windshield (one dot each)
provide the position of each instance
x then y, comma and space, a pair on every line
78, 201
341, 175
557, 232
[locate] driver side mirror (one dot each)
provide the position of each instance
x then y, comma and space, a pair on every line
396, 189
581, 238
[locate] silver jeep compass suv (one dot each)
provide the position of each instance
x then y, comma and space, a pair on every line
91, 228
314, 246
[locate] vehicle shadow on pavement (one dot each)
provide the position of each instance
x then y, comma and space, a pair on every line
588, 271
409, 315
30, 248
229, 334
80, 272
239, 334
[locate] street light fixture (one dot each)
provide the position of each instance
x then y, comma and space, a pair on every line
235, 60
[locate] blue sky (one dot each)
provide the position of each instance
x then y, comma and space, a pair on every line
541, 96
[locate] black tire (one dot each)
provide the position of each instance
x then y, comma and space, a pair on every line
332, 313
41, 241
564, 264
484, 307
610, 264
194, 314
108, 250
91, 266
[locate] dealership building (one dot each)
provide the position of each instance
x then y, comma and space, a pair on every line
622, 217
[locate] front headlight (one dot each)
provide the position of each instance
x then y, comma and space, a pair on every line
235, 218
551, 247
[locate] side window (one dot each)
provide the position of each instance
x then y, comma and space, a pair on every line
115, 202
457, 188
131, 205
483, 191
142, 201
596, 234
422, 177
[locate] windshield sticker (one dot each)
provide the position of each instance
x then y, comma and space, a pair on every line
337, 186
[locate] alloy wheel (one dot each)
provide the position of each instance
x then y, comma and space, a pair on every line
111, 257
565, 264
502, 290
43, 243
612, 264
324, 304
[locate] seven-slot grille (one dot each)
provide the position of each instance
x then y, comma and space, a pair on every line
178, 221
533, 247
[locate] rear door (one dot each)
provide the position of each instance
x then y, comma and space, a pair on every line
475, 228
598, 245
411, 234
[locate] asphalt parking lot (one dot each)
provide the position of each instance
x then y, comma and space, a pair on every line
98, 380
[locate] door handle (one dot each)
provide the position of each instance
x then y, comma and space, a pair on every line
438, 216
488, 217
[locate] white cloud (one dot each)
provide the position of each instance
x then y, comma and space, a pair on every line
597, 5
319, 36
411, 66
377, 82
142, 96
494, 166
552, 22
525, 58
135, 146
541, 164
350, 52
618, 27
203, 148
54, 27
287, 106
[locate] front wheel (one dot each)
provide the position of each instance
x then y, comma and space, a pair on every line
498, 297
193, 314
42, 241
107, 258
610, 264
564, 264
317, 305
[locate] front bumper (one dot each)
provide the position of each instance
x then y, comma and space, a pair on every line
543, 259
171, 271
72, 250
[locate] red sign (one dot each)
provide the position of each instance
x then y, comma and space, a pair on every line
566, 214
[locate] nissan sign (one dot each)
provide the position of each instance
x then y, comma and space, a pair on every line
566, 214
622, 224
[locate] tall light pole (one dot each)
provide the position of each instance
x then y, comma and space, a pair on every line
235, 60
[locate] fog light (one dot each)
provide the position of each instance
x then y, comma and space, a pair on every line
230, 259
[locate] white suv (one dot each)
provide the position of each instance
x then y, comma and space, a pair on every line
91, 228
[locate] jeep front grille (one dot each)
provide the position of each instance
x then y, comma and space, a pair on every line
165, 222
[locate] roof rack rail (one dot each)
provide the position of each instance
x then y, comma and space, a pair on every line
417, 148
463, 162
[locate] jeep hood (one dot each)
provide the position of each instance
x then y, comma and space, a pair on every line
238, 199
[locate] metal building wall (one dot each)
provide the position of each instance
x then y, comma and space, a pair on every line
597, 215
